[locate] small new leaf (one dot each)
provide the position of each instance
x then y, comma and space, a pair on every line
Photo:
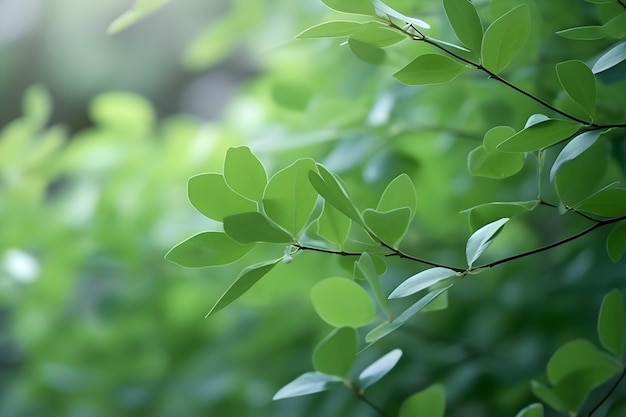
573, 149
379, 368
421, 281
481, 239
308, 383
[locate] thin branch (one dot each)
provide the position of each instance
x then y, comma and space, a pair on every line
608, 393
580, 213
622, 3
363, 398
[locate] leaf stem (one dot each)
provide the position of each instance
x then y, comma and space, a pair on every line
580, 213
363, 398
608, 393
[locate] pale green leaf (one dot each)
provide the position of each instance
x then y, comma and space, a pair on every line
254, 227
505, 38
579, 83
122, 111
496, 136
429, 402
333, 29
291, 95
465, 22
140, 9
244, 173
612, 323
363, 7
342, 302
533, 410
332, 225
289, 197
335, 354
377, 34
610, 59
399, 193
378, 369
430, 69
481, 239
37, 106
494, 164
616, 242
210, 195
534, 119
540, 135
421, 281
367, 52
207, 249
246, 279
486, 213
573, 149
388, 226
384, 10
308, 383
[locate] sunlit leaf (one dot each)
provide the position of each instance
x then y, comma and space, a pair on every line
244, 173
140, 9
430, 69
481, 239
579, 83
254, 227
429, 402
610, 202
122, 111
377, 34
505, 38
309, 383
399, 193
384, 10
207, 249
421, 281
211, 196
612, 323
573, 149
335, 354
533, 410
495, 164
289, 197
342, 302
616, 242
486, 213
329, 188
367, 52
332, 29
610, 59
353, 6
465, 22
540, 135
246, 279
388, 226
366, 266
378, 369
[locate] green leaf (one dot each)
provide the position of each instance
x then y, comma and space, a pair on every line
429, 402
505, 38
289, 197
353, 6
244, 173
610, 202
540, 135
254, 227
332, 225
384, 10
366, 266
438, 304
378, 369
612, 323
207, 249
329, 188
465, 22
496, 136
122, 111
579, 83
37, 106
583, 33
548, 396
335, 354
616, 27
581, 355
388, 327
389, 226
308, 383
367, 52
610, 59
399, 193
430, 69
332, 29
140, 9
377, 34
486, 213
246, 279
210, 195
421, 281
533, 410
481, 239
616, 242
495, 164
291, 95
573, 149
342, 302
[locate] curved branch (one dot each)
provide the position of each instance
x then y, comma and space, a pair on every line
363, 398
608, 393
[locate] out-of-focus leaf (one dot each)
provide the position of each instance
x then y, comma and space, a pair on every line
37, 106
353, 6
254, 227
616, 27
289, 197
616, 242
367, 52
335, 354
291, 95
495, 164
540, 135
378, 369
430, 69
465, 22
610, 202
388, 226
122, 111
246, 279
533, 410
384, 10
207, 249
612, 323
548, 396
211, 196
309, 383
244, 173
399, 193
342, 302
579, 83
505, 38
421, 281
486, 213
610, 59
429, 402
140, 9
481, 239
333, 29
